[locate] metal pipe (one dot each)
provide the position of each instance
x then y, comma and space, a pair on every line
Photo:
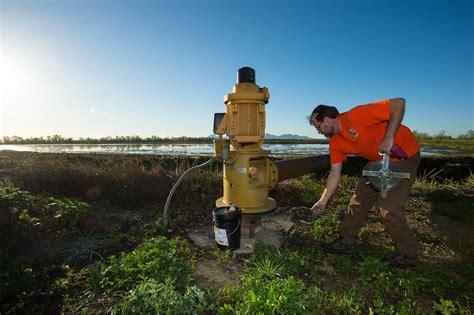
298, 167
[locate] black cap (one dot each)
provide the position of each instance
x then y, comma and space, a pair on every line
246, 75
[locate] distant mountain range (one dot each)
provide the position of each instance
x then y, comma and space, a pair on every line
285, 136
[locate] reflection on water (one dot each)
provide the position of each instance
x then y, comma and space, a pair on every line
181, 149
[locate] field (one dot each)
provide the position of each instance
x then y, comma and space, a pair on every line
466, 145
83, 234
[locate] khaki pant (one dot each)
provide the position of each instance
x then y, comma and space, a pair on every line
391, 208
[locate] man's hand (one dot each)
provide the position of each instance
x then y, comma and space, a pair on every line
316, 209
386, 145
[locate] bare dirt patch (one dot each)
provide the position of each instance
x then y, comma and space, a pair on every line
210, 275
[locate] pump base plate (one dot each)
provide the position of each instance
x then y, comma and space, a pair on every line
269, 206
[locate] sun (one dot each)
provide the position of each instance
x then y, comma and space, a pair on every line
15, 74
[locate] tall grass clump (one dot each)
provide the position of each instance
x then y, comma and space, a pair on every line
79, 248
469, 181
161, 265
454, 199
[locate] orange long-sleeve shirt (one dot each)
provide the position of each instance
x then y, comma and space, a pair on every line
363, 129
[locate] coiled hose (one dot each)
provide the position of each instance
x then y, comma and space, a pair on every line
175, 186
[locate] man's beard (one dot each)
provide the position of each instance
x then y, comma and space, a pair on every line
329, 134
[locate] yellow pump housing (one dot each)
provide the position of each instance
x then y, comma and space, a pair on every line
249, 174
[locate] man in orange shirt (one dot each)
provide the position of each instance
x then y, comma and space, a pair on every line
367, 131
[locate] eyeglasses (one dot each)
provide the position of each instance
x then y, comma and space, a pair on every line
318, 126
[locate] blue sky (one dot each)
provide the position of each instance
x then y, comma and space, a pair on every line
104, 68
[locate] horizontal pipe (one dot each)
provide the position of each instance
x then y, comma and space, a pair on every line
298, 167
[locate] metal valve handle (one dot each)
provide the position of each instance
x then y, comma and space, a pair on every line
384, 179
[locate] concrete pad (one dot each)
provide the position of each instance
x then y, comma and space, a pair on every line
271, 232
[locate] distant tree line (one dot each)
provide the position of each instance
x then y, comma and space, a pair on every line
58, 139
442, 135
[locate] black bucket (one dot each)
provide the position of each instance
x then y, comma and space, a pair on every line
226, 222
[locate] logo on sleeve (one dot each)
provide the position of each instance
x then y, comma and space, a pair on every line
353, 133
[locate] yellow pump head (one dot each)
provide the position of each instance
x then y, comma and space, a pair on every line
249, 174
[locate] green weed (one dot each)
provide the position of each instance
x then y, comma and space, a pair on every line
222, 256
261, 295
404, 307
469, 181
11, 196
281, 261
310, 188
69, 212
341, 265
24, 286
324, 228
156, 277
154, 297
14, 277
385, 280
267, 268
347, 184
323, 302
158, 259
448, 307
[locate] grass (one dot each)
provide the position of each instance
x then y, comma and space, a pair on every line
77, 249
63, 252
455, 144
154, 277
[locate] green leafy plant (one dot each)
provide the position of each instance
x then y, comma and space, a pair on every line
157, 259
448, 307
347, 302
369, 268
261, 295
154, 297
14, 277
69, 212
156, 277
309, 187
325, 227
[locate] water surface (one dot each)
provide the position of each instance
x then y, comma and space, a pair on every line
183, 149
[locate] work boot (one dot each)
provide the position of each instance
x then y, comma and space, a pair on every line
403, 261
338, 246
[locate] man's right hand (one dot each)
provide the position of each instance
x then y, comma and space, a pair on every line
316, 209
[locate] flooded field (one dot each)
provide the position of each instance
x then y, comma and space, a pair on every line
184, 149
